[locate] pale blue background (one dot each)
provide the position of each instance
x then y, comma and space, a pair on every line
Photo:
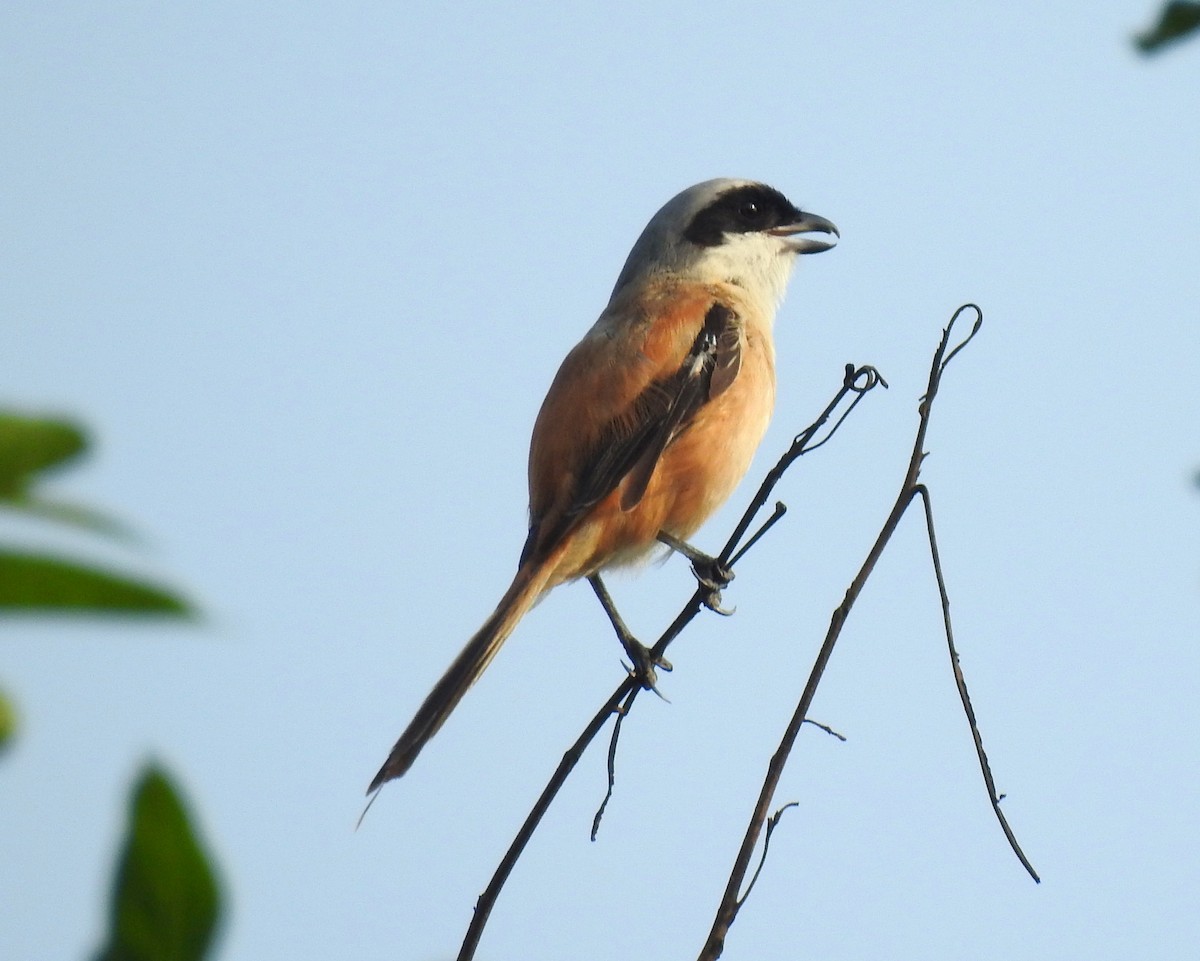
307, 269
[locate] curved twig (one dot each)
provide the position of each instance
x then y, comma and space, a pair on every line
960, 682
772, 824
622, 713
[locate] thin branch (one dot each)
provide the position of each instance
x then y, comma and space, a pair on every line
483, 907
826, 728
771, 825
730, 904
622, 713
961, 683
778, 815
856, 383
775, 518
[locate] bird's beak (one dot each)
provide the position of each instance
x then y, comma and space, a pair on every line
808, 223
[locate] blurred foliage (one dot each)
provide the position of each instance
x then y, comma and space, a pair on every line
30, 445
1176, 20
166, 899
8, 721
29, 448
33, 582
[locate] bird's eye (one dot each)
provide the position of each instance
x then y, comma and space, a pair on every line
750, 211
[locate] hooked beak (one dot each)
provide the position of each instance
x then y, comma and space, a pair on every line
808, 223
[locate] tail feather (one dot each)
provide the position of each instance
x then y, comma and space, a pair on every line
524, 592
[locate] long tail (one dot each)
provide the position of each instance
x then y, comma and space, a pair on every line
527, 587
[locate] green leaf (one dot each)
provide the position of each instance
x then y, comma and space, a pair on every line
31, 582
31, 444
76, 515
165, 900
8, 722
1177, 19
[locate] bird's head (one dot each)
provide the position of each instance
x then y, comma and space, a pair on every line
727, 231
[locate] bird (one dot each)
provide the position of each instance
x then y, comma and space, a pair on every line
652, 418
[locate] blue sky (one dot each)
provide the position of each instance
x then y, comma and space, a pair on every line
307, 269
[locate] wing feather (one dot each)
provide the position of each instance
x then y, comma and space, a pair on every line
630, 445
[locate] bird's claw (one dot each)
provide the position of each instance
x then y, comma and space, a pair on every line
644, 665
712, 600
713, 577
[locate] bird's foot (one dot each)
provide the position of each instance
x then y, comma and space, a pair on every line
710, 572
644, 660
712, 580
645, 664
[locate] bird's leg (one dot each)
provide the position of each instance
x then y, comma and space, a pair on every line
644, 662
712, 575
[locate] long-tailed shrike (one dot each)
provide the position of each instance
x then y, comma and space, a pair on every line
654, 416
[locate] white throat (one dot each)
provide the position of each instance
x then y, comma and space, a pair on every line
759, 264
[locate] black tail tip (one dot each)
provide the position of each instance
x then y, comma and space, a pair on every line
380, 779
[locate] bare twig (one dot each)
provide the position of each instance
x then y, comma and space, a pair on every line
778, 815
856, 383
775, 518
612, 762
771, 825
826, 728
960, 682
483, 907
731, 901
